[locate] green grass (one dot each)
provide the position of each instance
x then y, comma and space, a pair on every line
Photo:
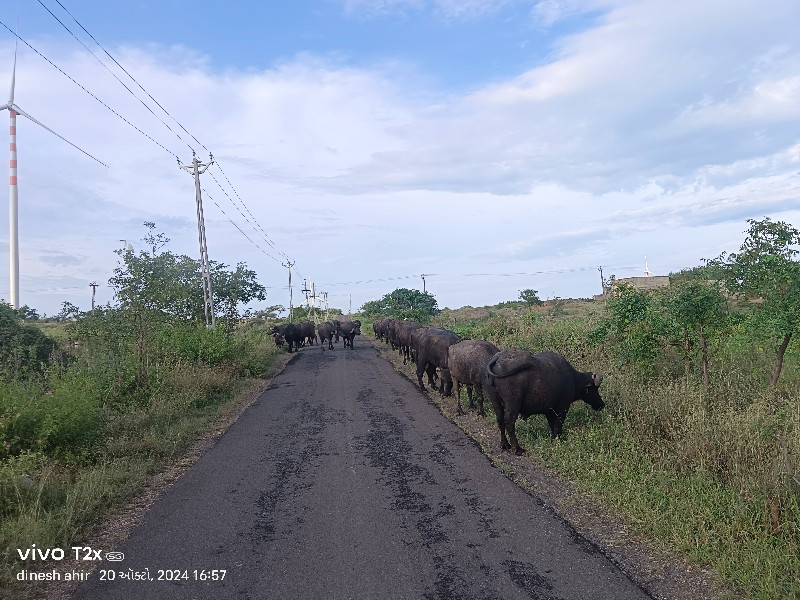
60, 480
693, 512
713, 476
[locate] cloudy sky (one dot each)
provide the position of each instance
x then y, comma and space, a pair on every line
494, 145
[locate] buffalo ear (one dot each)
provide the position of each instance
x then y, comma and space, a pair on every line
597, 379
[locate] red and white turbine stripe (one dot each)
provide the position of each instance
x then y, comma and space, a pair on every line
13, 215
13, 162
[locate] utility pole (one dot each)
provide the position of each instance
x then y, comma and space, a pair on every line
288, 264
325, 296
313, 299
424, 290
602, 280
93, 285
306, 291
196, 169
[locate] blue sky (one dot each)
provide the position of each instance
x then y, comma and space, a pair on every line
496, 144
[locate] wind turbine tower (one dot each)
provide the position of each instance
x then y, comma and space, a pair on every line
13, 203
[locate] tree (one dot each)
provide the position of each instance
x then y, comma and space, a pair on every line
530, 297
157, 289
766, 271
171, 284
26, 313
634, 326
697, 307
68, 312
271, 312
403, 303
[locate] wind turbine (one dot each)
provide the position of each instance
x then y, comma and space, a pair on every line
13, 204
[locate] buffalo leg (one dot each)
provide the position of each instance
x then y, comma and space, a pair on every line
447, 382
420, 371
511, 428
499, 411
479, 393
431, 370
556, 421
469, 396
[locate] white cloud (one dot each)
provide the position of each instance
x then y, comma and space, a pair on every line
656, 131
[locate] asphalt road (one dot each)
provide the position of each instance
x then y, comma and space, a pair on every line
343, 481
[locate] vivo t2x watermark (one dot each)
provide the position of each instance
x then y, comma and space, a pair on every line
76, 552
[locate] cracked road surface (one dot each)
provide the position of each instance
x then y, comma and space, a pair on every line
344, 481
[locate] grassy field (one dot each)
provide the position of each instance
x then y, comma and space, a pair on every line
711, 474
75, 446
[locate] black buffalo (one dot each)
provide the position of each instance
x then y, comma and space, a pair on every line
430, 350
350, 329
382, 329
325, 333
308, 333
403, 330
467, 363
290, 332
520, 383
337, 329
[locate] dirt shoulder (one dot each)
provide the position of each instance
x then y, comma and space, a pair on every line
662, 574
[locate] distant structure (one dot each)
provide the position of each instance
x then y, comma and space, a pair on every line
648, 282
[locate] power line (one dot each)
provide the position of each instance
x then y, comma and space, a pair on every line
256, 226
455, 275
248, 211
65, 74
132, 78
122, 83
249, 239
258, 229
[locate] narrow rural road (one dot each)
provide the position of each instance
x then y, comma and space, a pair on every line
343, 481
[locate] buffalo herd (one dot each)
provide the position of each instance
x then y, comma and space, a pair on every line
518, 383
296, 335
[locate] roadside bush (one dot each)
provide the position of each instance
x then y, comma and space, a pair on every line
65, 421
24, 350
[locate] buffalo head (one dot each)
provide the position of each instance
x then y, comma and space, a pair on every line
590, 393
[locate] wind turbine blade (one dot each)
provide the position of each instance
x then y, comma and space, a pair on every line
13, 75
14, 68
17, 110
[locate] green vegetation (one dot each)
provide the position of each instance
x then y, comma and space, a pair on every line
403, 303
89, 410
699, 444
530, 297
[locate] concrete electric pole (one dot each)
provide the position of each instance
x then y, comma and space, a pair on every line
93, 285
288, 264
196, 169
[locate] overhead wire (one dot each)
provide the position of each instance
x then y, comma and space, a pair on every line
258, 229
129, 75
239, 228
257, 226
97, 58
73, 80
266, 236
